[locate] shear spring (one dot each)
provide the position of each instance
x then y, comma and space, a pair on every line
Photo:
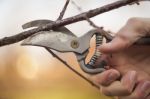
97, 54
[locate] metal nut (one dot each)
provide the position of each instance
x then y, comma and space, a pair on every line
74, 44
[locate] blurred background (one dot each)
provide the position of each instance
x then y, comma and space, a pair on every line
31, 72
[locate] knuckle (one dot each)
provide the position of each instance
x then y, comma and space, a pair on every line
139, 96
103, 83
124, 97
98, 82
136, 24
133, 21
128, 91
109, 77
96, 79
106, 91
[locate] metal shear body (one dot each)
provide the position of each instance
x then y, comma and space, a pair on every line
63, 40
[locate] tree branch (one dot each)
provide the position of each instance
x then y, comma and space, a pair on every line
63, 10
91, 13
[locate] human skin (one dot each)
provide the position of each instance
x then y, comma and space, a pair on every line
129, 76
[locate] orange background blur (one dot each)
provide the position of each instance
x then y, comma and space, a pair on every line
31, 72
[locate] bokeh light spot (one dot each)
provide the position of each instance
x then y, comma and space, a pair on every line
27, 67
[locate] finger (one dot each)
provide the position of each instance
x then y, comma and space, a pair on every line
122, 88
115, 89
129, 80
124, 38
142, 91
105, 78
115, 45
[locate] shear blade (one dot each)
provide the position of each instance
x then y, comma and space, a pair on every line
39, 23
51, 39
36, 23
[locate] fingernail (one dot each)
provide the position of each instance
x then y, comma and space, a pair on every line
132, 80
129, 80
145, 88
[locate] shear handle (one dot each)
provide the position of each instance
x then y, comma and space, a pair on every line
93, 68
143, 41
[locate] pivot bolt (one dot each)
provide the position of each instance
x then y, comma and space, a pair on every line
74, 44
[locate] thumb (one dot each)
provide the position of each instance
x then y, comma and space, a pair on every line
117, 44
130, 33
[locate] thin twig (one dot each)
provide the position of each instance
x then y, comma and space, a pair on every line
63, 10
64, 62
80, 17
78, 7
92, 23
88, 20
72, 69
100, 30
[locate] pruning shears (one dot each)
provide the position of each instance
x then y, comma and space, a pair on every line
63, 40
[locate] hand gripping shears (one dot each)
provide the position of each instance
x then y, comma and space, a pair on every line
63, 40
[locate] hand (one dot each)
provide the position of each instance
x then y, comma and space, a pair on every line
130, 61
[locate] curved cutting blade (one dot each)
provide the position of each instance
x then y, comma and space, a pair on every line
36, 23
39, 23
51, 39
